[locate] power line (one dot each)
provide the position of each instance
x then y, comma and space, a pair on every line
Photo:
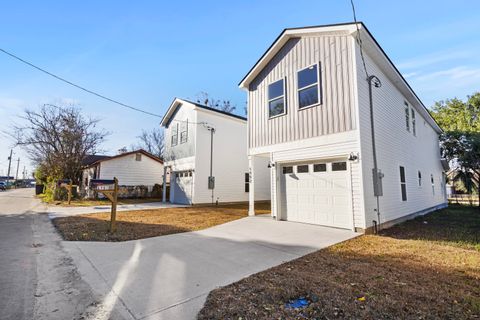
78, 86
359, 40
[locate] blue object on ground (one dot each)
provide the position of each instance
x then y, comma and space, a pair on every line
297, 303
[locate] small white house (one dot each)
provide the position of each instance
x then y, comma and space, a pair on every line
349, 142
206, 153
132, 169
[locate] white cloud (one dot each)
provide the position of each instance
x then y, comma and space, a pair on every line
7, 103
435, 58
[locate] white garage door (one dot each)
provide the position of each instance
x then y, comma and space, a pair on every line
182, 187
317, 193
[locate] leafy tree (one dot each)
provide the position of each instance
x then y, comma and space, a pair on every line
152, 141
457, 115
57, 139
223, 105
461, 140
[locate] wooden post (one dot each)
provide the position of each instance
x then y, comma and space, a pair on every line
113, 217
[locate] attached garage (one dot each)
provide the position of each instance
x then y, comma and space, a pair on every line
181, 190
317, 193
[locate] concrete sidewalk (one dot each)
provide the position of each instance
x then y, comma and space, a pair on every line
169, 277
58, 211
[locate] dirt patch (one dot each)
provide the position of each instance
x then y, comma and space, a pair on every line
141, 224
415, 270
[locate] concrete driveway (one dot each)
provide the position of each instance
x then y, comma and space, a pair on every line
169, 277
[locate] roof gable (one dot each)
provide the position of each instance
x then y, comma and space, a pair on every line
178, 103
141, 151
370, 44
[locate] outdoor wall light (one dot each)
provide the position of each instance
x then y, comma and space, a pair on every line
271, 165
352, 157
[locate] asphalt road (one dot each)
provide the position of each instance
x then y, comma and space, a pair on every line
18, 272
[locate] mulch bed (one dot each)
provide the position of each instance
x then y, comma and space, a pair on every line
139, 224
405, 273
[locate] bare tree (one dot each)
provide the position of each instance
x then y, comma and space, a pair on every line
152, 141
58, 138
223, 105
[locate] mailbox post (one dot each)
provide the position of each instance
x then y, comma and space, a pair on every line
67, 184
109, 188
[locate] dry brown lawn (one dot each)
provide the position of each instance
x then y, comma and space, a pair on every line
141, 224
427, 268
102, 202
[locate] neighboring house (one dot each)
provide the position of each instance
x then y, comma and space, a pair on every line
192, 151
132, 169
309, 112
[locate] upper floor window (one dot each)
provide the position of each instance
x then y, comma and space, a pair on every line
276, 98
184, 132
308, 89
175, 135
407, 116
138, 157
414, 128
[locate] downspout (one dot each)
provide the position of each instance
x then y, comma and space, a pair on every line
376, 175
212, 131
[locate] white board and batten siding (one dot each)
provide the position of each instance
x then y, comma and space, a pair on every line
396, 147
340, 125
336, 113
130, 172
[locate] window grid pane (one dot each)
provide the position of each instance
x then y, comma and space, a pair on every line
302, 169
320, 167
287, 170
339, 166
307, 77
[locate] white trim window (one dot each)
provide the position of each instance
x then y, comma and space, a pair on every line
276, 98
432, 180
174, 135
308, 87
403, 184
407, 117
414, 127
184, 133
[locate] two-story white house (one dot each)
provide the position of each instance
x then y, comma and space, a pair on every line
206, 153
350, 144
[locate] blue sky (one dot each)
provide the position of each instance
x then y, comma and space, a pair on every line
146, 53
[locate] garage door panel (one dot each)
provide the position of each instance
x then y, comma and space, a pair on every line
318, 197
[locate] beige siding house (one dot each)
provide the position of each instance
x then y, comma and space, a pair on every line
132, 169
348, 146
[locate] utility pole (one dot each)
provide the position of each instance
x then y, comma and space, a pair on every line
16, 175
9, 165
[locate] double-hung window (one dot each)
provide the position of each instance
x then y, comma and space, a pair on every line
184, 132
407, 117
276, 98
403, 183
175, 135
414, 128
433, 184
307, 86
247, 182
